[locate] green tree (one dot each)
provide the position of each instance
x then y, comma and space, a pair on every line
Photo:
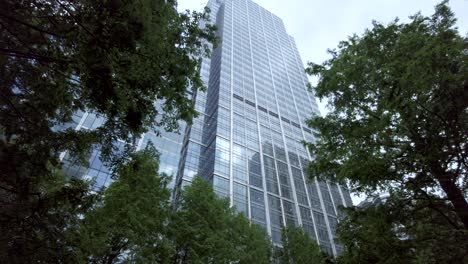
129, 224
298, 247
399, 121
252, 243
201, 226
206, 230
41, 236
113, 58
134, 223
400, 232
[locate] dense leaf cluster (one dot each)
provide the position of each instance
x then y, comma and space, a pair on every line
402, 231
117, 59
134, 222
299, 248
399, 125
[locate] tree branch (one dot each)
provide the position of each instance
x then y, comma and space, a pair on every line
27, 55
30, 26
433, 206
74, 18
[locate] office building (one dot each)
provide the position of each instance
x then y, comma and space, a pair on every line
247, 138
168, 144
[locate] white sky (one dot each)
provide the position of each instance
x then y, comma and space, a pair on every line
320, 25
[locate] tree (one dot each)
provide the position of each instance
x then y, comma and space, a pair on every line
134, 223
399, 97
400, 232
298, 247
252, 243
129, 224
113, 58
40, 236
200, 226
206, 230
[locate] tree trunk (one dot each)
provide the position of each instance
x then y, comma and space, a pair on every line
454, 194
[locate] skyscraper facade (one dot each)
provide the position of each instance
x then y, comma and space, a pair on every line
247, 138
169, 145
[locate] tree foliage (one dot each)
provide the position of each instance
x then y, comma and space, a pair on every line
113, 58
206, 230
37, 231
252, 243
299, 248
399, 124
401, 231
129, 224
134, 222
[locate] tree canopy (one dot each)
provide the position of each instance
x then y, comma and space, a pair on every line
206, 230
117, 59
398, 124
132, 221
400, 232
299, 248
129, 223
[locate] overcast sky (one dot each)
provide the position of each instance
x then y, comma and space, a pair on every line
320, 25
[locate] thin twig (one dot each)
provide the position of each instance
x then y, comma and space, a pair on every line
30, 26
74, 18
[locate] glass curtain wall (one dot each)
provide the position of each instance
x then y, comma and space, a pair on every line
247, 140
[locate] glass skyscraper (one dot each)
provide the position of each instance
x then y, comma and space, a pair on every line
247, 138
168, 144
